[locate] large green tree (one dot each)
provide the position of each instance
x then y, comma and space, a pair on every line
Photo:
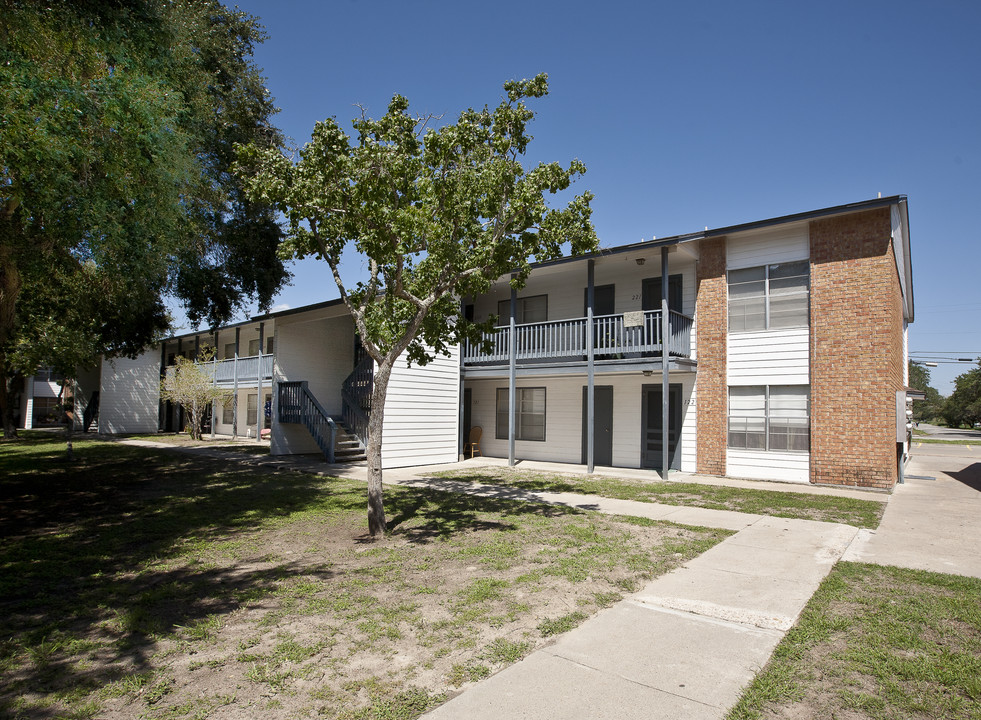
438, 214
928, 408
963, 407
118, 122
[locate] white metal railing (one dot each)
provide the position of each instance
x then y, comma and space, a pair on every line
557, 339
246, 368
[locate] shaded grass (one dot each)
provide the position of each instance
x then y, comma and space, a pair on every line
825, 508
877, 642
144, 583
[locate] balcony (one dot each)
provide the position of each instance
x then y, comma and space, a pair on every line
625, 337
245, 368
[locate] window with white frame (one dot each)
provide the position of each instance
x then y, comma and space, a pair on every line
253, 347
229, 351
228, 412
529, 416
531, 309
770, 417
252, 409
769, 297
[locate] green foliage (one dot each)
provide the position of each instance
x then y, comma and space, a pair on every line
963, 407
931, 407
439, 213
117, 127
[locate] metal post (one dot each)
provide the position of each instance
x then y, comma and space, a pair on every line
214, 381
513, 352
260, 406
461, 441
180, 408
162, 411
238, 338
590, 375
665, 356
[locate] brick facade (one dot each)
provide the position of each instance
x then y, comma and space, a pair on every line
712, 318
856, 350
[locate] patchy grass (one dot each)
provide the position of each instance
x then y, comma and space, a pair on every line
242, 445
934, 441
877, 642
826, 508
142, 583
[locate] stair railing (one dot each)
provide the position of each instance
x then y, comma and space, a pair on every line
356, 398
298, 405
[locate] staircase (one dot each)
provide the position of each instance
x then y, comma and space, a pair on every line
340, 438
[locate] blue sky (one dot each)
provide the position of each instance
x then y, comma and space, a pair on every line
687, 114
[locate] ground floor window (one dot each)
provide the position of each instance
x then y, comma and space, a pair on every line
770, 417
252, 409
46, 411
529, 415
228, 412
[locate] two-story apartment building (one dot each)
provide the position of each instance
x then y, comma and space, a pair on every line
774, 349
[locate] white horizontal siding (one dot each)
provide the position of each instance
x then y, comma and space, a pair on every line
563, 419
689, 425
786, 467
771, 357
785, 243
130, 398
422, 411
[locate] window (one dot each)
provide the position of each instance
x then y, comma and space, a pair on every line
529, 416
253, 347
529, 310
252, 408
769, 297
229, 351
228, 412
774, 417
269, 345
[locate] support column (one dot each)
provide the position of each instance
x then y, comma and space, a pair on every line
238, 338
590, 374
180, 408
214, 381
260, 406
162, 410
665, 359
513, 353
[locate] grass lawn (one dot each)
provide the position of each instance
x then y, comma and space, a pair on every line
934, 441
222, 443
877, 642
140, 584
826, 508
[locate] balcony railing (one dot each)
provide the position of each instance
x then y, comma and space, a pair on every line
614, 336
247, 369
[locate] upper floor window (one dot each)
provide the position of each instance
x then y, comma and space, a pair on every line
533, 308
253, 347
769, 297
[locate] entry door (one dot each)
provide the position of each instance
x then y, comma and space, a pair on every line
602, 425
467, 416
651, 456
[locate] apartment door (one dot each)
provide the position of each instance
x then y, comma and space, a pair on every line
467, 416
602, 425
651, 424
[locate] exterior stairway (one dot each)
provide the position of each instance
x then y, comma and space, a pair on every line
347, 446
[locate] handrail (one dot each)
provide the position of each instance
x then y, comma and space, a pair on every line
247, 368
356, 393
612, 336
298, 405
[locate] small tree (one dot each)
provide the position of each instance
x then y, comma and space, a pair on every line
189, 385
438, 214
963, 407
929, 408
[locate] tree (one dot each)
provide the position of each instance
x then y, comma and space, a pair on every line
118, 122
438, 214
963, 407
928, 408
192, 387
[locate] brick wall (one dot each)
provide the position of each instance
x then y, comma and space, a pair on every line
856, 350
712, 316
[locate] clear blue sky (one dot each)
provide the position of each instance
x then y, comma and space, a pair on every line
687, 114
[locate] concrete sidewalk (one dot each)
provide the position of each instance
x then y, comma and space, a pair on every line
684, 647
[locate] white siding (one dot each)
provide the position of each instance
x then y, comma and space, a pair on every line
563, 418
422, 411
769, 357
786, 467
319, 349
785, 243
130, 397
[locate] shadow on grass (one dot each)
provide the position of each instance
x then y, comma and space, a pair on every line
97, 557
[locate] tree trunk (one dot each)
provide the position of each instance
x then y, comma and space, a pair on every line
7, 385
10, 284
377, 525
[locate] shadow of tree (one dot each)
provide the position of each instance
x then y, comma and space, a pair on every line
93, 555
